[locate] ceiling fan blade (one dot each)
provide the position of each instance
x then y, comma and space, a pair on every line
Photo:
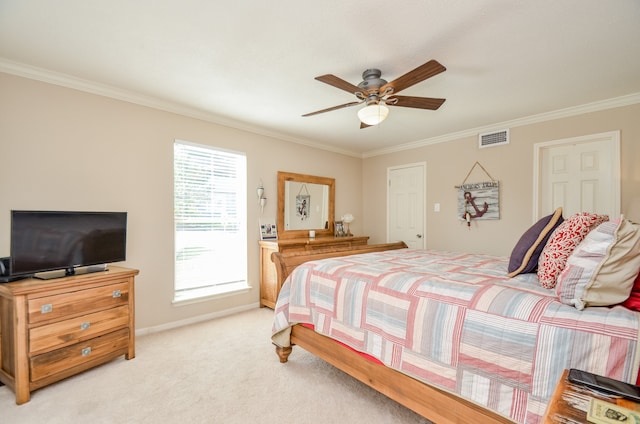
421, 73
416, 102
341, 84
329, 109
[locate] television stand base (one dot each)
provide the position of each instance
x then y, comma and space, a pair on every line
59, 273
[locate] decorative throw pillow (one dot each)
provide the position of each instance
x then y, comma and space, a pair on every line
525, 254
563, 240
602, 269
633, 302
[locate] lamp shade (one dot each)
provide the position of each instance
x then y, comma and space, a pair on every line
373, 114
347, 218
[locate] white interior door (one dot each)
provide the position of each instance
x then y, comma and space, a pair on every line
580, 174
405, 205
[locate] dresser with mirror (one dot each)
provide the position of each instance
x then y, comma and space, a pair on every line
305, 221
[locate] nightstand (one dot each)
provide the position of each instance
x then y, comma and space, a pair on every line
569, 403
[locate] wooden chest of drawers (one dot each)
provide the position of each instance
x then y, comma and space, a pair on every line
52, 329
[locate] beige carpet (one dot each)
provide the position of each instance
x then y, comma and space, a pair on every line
219, 371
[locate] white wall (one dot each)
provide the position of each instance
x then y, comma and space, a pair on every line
64, 149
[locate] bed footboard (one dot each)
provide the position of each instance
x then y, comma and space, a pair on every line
436, 405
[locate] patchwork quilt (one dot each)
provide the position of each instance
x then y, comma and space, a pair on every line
457, 322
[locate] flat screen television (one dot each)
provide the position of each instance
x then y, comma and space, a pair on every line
44, 241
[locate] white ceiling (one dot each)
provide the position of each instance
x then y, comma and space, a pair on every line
251, 64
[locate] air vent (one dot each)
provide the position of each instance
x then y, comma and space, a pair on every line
495, 138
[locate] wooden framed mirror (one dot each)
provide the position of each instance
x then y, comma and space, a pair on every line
305, 202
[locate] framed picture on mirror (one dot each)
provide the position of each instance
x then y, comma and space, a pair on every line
303, 203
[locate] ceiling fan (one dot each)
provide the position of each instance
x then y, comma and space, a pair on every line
378, 93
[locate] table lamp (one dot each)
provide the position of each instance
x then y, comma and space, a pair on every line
347, 218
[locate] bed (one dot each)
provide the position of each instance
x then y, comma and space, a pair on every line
449, 335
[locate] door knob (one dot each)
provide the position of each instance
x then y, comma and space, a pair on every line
419, 235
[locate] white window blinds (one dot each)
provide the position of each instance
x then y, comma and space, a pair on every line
210, 220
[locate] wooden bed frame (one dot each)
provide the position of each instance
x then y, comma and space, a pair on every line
432, 403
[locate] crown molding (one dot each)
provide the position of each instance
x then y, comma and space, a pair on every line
92, 87
621, 101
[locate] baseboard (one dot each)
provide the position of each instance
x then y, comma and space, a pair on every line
195, 320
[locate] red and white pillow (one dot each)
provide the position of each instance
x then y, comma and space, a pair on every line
564, 239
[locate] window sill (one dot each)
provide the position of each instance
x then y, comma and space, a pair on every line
209, 293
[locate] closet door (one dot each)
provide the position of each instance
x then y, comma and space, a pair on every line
406, 209
580, 174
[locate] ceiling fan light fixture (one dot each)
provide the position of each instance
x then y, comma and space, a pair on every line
373, 114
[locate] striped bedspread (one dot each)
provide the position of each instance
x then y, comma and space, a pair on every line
456, 321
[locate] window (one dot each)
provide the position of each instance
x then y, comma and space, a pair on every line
210, 221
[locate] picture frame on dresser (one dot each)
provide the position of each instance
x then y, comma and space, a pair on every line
268, 230
338, 229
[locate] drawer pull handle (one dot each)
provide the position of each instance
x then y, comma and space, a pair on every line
46, 308
116, 294
85, 325
86, 351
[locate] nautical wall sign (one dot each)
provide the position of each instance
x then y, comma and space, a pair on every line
479, 201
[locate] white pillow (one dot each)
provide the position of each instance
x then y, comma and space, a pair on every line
602, 268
